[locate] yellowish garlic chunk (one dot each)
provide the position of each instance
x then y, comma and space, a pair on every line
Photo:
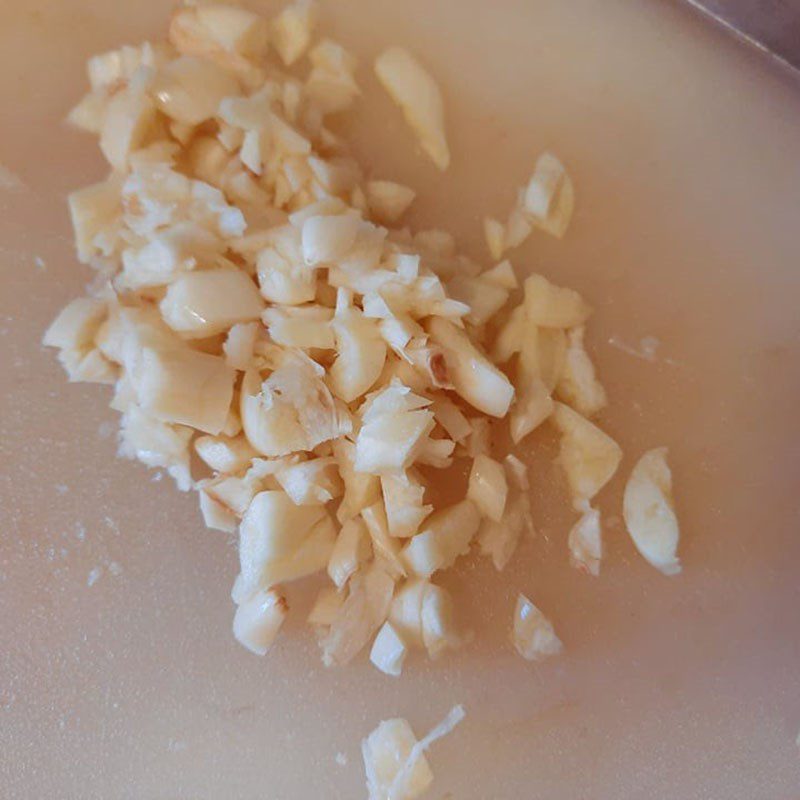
388, 651
210, 301
578, 385
488, 489
258, 620
388, 200
551, 306
585, 542
352, 549
649, 512
589, 456
446, 536
533, 635
474, 378
292, 30
413, 89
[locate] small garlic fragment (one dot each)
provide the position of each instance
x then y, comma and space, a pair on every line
419, 98
210, 301
533, 634
649, 511
292, 29
258, 620
551, 306
447, 534
487, 487
352, 549
388, 201
224, 453
388, 651
589, 456
585, 542
578, 385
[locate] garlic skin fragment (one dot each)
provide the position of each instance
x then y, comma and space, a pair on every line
533, 635
258, 619
388, 651
649, 512
419, 98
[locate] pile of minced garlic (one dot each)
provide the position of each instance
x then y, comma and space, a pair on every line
258, 300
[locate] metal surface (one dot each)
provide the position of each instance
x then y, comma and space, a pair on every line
770, 25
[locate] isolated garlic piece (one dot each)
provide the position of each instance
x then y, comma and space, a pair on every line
475, 379
589, 456
94, 210
543, 186
487, 487
215, 515
394, 760
447, 534
210, 301
585, 542
419, 98
499, 539
649, 511
388, 651
258, 619
385, 751
578, 385
533, 635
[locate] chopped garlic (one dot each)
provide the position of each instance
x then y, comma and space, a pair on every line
436, 619
586, 542
480, 383
402, 499
419, 98
314, 482
446, 536
76, 325
499, 540
551, 306
494, 232
388, 201
272, 532
578, 385
362, 613
292, 29
649, 511
487, 487
589, 457
239, 344
183, 386
352, 549
258, 620
224, 453
327, 605
211, 301
394, 760
533, 634
388, 651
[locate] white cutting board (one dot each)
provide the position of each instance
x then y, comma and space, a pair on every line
686, 155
